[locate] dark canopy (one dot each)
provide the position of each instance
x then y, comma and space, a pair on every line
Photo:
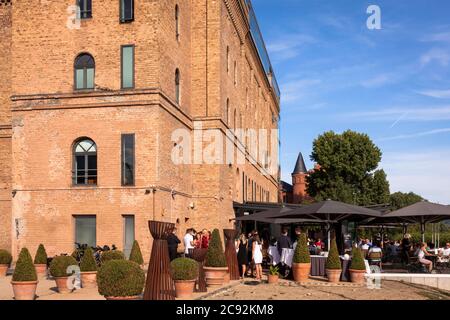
422, 212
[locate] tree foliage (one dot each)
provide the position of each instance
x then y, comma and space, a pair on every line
136, 254
301, 254
88, 263
400, 200
347, 169
41, 255
215, 257
333, 259
25, 270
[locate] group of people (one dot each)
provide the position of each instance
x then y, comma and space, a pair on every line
249, 250
191, 240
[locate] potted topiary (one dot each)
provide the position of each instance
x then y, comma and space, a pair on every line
357, 266
5, 262
88, 269
24, 279
184, 273
112, 255
40, 261
136, 255
120, 280
333, 265
59, 270
274, 274
301, 263
215, 264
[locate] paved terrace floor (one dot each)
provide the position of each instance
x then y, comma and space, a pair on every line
315, 289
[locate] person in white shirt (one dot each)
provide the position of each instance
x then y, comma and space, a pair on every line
444, 254
421, 253
188, 241
446, 251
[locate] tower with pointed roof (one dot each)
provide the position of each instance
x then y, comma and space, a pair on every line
299, 180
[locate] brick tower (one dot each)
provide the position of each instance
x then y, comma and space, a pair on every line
299, 180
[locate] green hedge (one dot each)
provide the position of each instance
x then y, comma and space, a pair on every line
333, 260
41, 255
112, 255
136, 254
59, 265
301, 254
215, 257
357, 260
25, 270
120, 278
5, 257
88, 262
184, 269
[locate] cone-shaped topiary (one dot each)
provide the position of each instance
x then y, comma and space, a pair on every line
120, 278
5, 257
333, 260
24, 270
88, 262
184, 269
60, 264
136, 255
112, 255
357, 260
215, 257
301, 254
41, 255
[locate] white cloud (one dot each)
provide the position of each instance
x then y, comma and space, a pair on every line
441, 56
407, 114
416, 135
426, 173
379, 80
440, 94
288, 46
296, 89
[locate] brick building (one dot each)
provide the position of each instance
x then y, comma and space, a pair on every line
296, 192
90, 100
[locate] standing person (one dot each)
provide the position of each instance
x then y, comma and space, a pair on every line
205, 239
406, 248
284, 242
257, 256
320, 244
173, 242
242, 254
188, 241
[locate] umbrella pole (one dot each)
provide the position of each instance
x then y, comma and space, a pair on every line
422, 229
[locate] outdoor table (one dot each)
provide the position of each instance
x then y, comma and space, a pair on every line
286, 257
318, 267
433, 259
274, 254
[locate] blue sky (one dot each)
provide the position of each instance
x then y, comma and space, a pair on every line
393, 83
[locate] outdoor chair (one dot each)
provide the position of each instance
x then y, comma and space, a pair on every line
375, 259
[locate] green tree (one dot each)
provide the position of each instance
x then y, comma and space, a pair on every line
24, 270
333, 260
88, 263
136, 254
347, 169
400, 200
41, 255
215, 257
301, 254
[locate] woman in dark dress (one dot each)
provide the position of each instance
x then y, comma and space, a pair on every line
243, 254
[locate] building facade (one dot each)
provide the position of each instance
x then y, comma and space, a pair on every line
296, 193
92, 100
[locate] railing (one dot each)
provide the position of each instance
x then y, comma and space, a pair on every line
258, 39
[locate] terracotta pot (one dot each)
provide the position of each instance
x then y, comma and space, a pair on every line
3, 270
272, 279
61, 283
41, 270
25, 290
124, 298
301, 271
334, 275
89, 280
215, 276
226, 278
184, 289
357, 276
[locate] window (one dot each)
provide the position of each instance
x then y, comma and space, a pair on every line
128, 160
127, 67
228, 112
177, 86
84, 72
228, 59
235, 73
85, 9
86, 230
129, 236
126, 10
85, 162
177, 23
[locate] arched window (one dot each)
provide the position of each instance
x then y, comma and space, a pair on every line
228, 59
177, 22
228, 112
177, 86
85, 162
84, 72
235, 119
235, 73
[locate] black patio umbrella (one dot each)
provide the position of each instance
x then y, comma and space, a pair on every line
421, 212
261, 216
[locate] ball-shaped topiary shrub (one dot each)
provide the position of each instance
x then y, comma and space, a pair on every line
112, 255
301, 254
5, 257
88, 262
136, 255
184, 269
60, 264
25, 270
215, 257
333, 260
357, 260
41, 255
120, 278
